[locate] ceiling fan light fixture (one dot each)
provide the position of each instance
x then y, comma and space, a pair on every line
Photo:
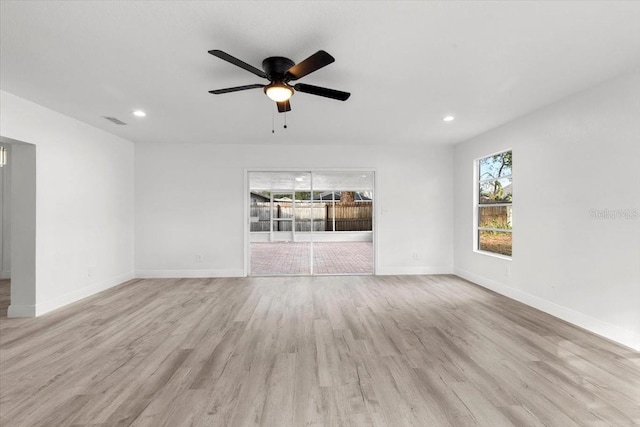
278, 91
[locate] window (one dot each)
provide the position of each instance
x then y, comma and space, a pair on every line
287, 201
494, 204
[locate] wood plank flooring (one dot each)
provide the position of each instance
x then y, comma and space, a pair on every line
309, 351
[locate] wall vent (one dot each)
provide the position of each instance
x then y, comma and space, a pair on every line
114, 120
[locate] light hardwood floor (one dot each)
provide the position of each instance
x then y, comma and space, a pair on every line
309, 351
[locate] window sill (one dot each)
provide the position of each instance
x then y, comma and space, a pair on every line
494, 255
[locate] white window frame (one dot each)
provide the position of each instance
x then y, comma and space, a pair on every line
477, 205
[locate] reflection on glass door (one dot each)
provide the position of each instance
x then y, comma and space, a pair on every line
311, 223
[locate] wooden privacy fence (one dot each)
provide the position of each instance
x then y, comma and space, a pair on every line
349, 217
494, 216
356, 216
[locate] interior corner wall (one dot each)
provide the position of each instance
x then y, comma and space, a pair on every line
84, 203
23, 244
576, 210
5, 214
190, 219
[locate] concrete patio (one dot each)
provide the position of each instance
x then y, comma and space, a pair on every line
293, 258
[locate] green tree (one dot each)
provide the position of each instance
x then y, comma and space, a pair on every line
506, 162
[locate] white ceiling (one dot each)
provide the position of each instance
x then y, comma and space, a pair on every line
407, 64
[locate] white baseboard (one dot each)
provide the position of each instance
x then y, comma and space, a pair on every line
21, 311
591, 324
401, 271
79, 294
172, 274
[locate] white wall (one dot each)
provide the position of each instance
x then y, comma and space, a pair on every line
580, 154
84, 204
190, 201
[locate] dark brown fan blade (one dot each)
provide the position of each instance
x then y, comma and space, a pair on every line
284, 106
235, 89
309, 65
235, 61
322, 91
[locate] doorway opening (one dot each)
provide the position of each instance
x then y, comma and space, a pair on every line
311, 223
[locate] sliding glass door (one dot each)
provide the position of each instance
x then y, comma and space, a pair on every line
303, 223
275, 218
343, 242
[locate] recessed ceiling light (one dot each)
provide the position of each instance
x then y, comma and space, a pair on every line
448, 118
139, 113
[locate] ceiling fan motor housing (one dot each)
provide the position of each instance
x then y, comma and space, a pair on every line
276, 67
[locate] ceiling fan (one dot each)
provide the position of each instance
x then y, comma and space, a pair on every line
280, 71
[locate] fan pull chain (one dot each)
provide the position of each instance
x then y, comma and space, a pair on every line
273, 119
285, 119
